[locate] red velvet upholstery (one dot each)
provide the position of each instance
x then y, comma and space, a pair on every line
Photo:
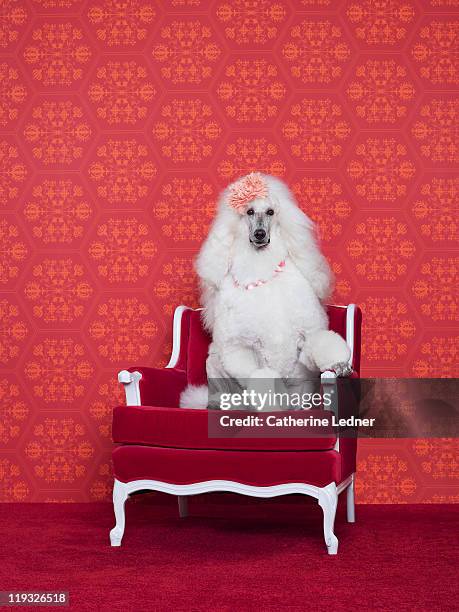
198, 347
184, 337
259, 468
162, 442
337, 319
161, 387
348, 453
186, 428
357, 341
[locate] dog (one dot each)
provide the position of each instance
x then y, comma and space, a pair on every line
263, 285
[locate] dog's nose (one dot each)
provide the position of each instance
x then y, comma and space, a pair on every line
259, 234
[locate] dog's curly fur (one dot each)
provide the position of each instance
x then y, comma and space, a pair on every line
280, 327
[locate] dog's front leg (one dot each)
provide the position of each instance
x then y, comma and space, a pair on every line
326, 350
224, 368
239, 361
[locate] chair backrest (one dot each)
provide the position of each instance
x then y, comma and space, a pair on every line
191, 341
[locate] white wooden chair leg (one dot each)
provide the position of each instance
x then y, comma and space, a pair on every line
328, 501
119, 497
183, 506
350, 498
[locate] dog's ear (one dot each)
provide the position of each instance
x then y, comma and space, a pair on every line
213, 261
299, 234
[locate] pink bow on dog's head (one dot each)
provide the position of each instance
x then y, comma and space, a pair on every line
246, 190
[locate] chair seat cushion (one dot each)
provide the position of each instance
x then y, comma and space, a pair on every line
256, 468
189, 429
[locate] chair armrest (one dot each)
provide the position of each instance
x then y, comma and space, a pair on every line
345, 398
328, 380
153, 386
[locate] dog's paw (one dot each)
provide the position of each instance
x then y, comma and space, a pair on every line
327, 350
341, 369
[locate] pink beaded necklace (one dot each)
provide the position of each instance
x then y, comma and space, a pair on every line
279, 268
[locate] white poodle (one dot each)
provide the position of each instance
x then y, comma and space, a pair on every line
263, 281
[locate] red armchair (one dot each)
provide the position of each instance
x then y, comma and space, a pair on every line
166, 448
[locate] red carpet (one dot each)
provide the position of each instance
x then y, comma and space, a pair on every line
233, 554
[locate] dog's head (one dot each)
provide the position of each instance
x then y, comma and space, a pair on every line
261, 210
251, 199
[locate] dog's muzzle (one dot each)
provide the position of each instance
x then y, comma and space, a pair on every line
259, 238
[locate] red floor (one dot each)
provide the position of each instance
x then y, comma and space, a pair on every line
233, 554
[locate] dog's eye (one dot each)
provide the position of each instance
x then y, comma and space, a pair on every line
270, 212
250, 211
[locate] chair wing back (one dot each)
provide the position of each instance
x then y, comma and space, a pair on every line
190, 345
191, 340
198, 347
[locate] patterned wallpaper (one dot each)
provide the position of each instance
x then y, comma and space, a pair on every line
120, 122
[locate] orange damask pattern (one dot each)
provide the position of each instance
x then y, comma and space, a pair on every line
13, 412
435, 52
14, 330
344, 288
381, 169
187, 52
57, 53
389, 329
197, 197
438, 358
324, 201
122, 92
252, 92
187, 131
123, 171
439, 457
59, 450
177, 279
432, 289
251, 23
57, 211
109, 393
13, 93
13, 173
12, 19
101, 486
381, 91
59, 4
436, 131
382, 249
444, 3
59, 292
437, 210
121, 23
123, 328
123, 250
243, 154
316, 51
57, 132
121, 122
58, 370
317, 130
13, 251
380, 22
387, 479
13, 486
